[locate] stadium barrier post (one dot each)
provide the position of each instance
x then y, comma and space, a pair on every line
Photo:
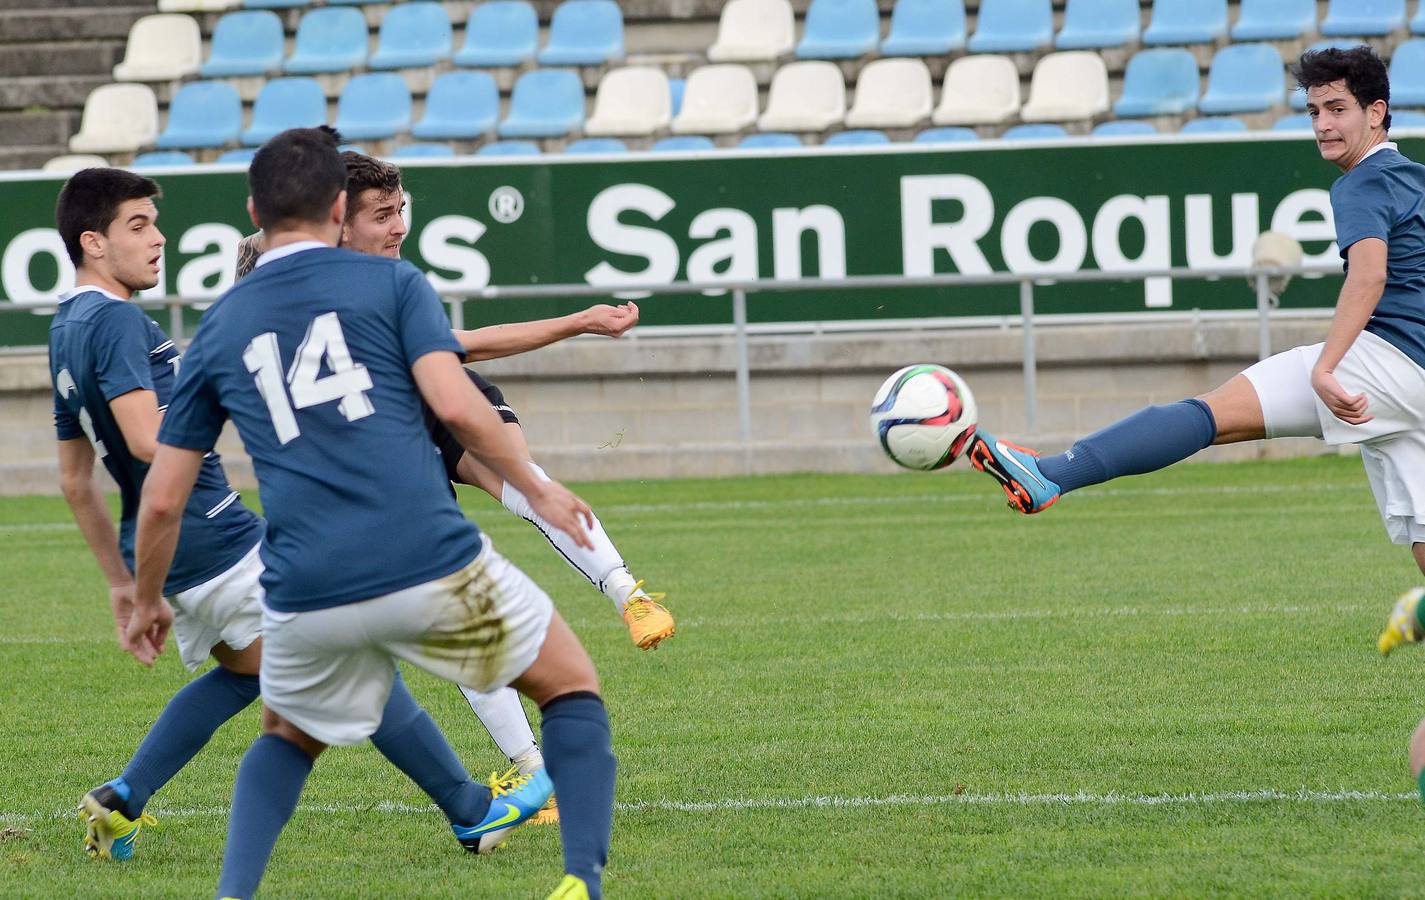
457, 312
744, 390
175, 320
1031, 393
1264, 313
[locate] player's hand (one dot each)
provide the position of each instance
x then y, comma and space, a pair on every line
121, 602
563, 509
148, 630
1349, 409
611, 321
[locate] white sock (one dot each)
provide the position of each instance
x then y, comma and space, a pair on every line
603, 565
503, 716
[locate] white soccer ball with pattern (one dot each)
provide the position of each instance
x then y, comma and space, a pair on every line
924, 416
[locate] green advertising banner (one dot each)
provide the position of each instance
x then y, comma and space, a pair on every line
1041, 208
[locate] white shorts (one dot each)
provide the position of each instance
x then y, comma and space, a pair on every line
1392, 443
226, 608
329, 671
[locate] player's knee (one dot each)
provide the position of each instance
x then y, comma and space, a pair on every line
277, 726
1417, 750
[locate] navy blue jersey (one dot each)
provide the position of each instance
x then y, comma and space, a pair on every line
101, 347
1382, 198
311, 357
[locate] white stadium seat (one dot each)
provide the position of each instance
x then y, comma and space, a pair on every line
73, 162
177, 6
805, 96
1067, 87
891, 93
631, 101
118, 118
161, 48
718, 100
754, 31
979, 90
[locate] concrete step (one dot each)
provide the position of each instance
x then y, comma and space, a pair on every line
70, 24
33, 5
60, 58
48, 91
29, 157
37, 128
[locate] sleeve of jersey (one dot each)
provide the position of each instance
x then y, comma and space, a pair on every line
1365, 208
123, 342
423, 324
195, 417
66, 424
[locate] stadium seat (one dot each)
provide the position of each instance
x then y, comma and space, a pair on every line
70, 163
1293, 122
1123, 128
155, 158
860, 138
1363, 18
978, 90
1244, 78
948, 135
676, 87
683, 143
118, 118
460, 105
584, 33
509, 148
891, 93
1012, 26
754, 31
285, 103
770, 140
1275, 20
1417, 24
203, 114
424, 151
329, 39
925, 28
1214, 125
1159, 82
1067, 86
1036, 132
1407, 74
413, 35
1407, 119
1187, 22
245, 43
164, 47
374, 106
189, 6
1095, 24
242, 155
503, 33
718, 99
840, 29
631, 101
597, 145
545, 103
809, 95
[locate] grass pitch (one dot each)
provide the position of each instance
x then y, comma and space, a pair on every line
881, 686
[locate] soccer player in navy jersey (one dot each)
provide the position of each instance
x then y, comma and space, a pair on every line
323, 358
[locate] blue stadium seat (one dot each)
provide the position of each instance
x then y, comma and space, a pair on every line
1417, 24
857, 138
1407, 119
676, 86
584, 33
275, 4
285, 103
329, 39
925, 28
460, 105
202, 114
161, 158
840, 29
374, 106
1363, 18
509, 148
1293, 122
1012, 26
1214, 125
1037, 132
1095, 24
413, 35
424, 151
946, 135
1407, 74
683, 143
1123, 128
1244, 78
1187, 22
245, 43
503, 33
1159, 82
597, 145
1275, 20
243, 155
545, 103
769, 140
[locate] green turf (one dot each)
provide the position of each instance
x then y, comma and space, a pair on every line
1205, 631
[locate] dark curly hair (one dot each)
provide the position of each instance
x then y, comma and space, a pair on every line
1363, 71
364, 173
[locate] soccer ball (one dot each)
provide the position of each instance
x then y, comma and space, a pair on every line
924, 416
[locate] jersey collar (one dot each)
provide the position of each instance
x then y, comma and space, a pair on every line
287, 250
86, 289
1383, 145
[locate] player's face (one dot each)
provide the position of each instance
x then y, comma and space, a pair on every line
1344, 128
377, 227
132, 245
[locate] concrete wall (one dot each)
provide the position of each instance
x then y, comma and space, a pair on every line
666, 407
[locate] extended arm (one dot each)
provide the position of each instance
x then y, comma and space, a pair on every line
76, 479
1365, 282
496, 341
165, 492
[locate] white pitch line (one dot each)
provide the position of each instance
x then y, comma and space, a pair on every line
1077, 798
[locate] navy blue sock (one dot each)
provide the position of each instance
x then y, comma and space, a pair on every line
269, 781
409, 738
1150, 439
579, 757
184, 727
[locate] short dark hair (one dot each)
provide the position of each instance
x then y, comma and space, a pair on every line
90, 200
1364, 72
364, 173
295, 176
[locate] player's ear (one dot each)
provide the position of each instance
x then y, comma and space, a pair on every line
338, 210
1375, 113
92, 243
252, 213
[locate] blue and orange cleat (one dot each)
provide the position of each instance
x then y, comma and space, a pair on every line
1403, 627
1017, 471
513, 799
108, 833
